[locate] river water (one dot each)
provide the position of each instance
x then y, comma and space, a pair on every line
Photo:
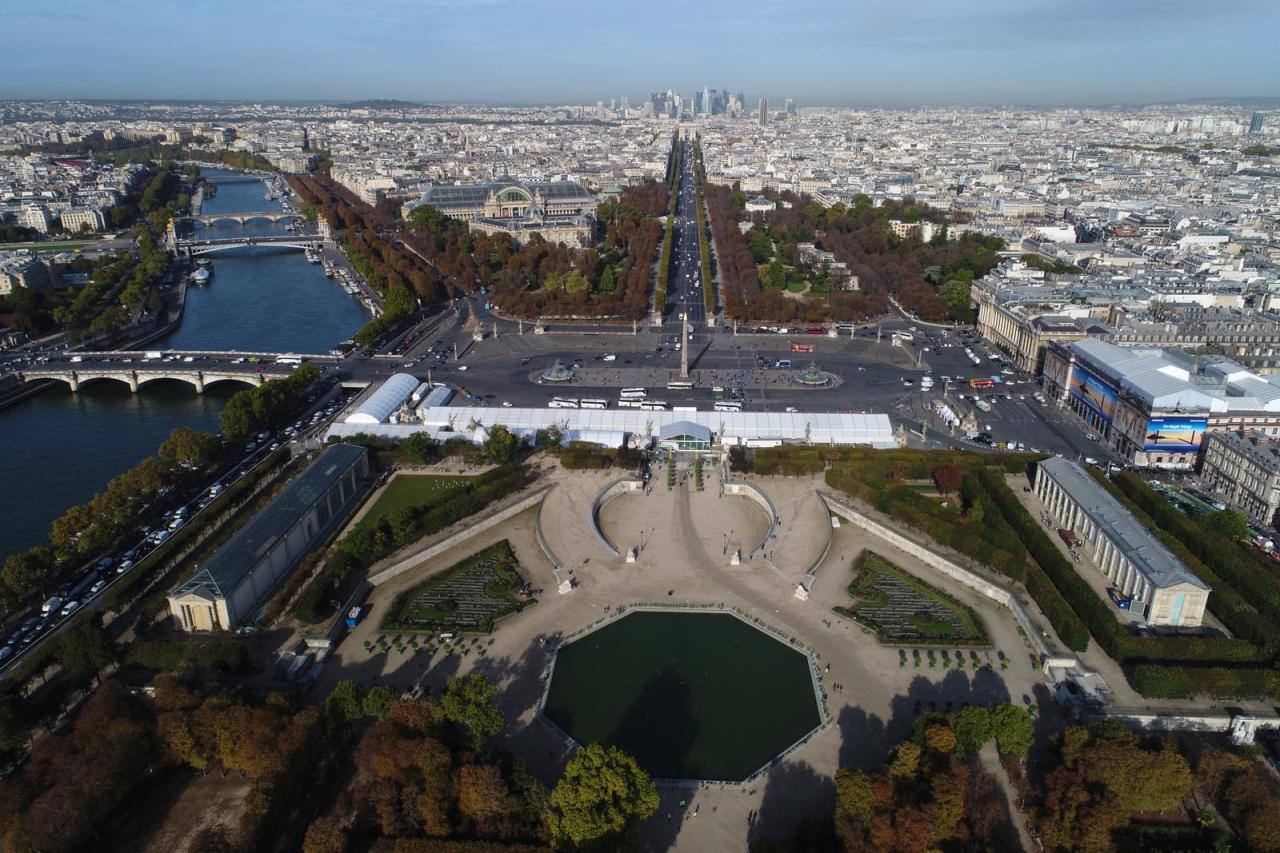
59, 448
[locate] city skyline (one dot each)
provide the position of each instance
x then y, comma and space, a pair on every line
504, 51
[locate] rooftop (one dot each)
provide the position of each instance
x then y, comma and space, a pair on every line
229, 565
1151, 559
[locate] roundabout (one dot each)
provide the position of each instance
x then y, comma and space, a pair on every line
692, 694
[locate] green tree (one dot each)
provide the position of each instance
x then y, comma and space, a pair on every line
345, 701
468, 702
421, 449
1227, 522
776, 274
27, 570
1013, 729
501, 446
855, 798
973, 728
602, 795
576, 282
378, 701
86, 648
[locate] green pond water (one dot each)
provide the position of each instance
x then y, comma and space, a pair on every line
690, 695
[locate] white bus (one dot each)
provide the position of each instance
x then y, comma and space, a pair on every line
594, 404
289, 359
562, 403
725, 406
679, 385
654, 406
630, 404
633, 393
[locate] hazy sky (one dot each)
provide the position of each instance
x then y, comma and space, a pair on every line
555, 51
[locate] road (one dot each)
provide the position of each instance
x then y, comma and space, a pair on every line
684, 282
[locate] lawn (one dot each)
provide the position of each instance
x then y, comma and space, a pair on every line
902, 609
468, 596
410, 490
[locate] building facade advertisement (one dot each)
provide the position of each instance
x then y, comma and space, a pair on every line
1175, 434
1094, 393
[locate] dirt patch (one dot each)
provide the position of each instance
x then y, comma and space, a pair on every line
205, 802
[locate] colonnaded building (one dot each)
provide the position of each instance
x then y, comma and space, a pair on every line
241, 575
1160, 587
559, 211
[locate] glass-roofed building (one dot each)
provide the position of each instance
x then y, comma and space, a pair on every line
560, 211
684, 435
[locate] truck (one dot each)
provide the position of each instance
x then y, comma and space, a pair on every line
53, 605
355, 614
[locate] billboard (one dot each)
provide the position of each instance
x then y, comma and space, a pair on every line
1175, 434
1094, 393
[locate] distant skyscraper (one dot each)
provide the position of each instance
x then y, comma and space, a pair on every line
789, 106
600, 110
706, 100
764, 111
1255, 123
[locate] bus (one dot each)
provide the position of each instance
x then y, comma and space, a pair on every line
288, 359
654, 406
981, 383
726, 406
802, 347
562, 403
679, 385
633, 393
594, 404
630, 404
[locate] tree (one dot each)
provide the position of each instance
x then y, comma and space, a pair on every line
345, 701
378, 701
27, 570
482, 792
468, 702
502, 445
602, 794
947, 478
421, 449
1013, 730
855, 798
325, 835
972, 727
1227, 522
86, 648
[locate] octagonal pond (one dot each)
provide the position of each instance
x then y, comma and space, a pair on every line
692, 695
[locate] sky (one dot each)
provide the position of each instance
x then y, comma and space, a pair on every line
820, 52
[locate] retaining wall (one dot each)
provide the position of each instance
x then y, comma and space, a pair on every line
608, 493
753, 492
472, 529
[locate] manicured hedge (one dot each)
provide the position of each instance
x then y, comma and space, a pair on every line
166, 656
1185, 682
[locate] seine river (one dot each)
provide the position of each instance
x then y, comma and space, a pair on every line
60, 448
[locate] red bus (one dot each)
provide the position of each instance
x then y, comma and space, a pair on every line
802, 347
981, 383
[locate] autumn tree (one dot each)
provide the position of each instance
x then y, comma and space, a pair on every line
947, 478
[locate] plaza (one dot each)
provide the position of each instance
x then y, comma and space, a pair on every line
684, 541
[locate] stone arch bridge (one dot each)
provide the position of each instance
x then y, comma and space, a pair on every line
138, 377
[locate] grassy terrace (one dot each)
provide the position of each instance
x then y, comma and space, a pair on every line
468, 596
904, 610
411, 490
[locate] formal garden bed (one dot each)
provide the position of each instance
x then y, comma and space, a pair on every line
467, 597
904, 610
